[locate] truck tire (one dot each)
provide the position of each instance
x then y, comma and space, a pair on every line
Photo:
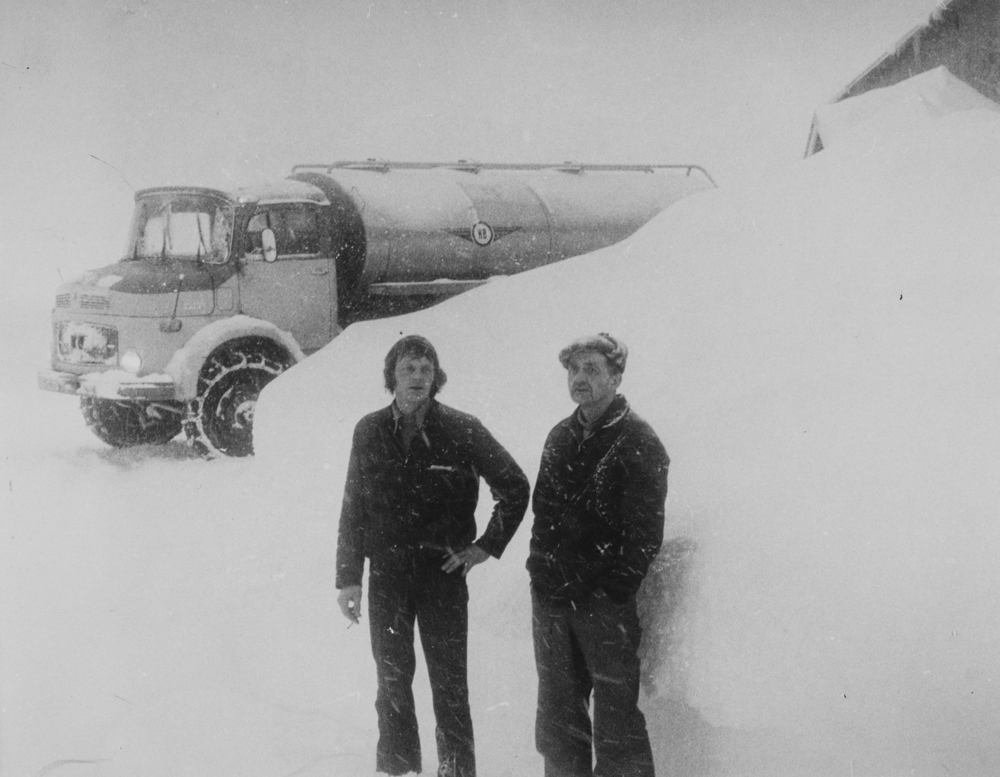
219, 420
123, 424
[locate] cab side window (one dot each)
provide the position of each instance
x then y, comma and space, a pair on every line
295, 226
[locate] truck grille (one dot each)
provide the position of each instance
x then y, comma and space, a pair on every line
83, 343
94, 302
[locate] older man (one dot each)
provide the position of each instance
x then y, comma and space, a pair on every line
409, 507
599, 505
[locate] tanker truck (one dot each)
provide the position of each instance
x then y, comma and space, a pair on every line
218, 292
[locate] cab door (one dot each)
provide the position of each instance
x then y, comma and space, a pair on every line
292, 287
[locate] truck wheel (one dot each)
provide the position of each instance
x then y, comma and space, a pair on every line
122, 424
220, 419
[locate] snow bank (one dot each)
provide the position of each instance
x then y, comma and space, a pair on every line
819, 354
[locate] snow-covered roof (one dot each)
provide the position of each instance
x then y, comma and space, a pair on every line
281, 191
930, 94
961, 35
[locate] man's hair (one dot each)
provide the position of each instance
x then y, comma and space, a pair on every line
614, 350
413, 346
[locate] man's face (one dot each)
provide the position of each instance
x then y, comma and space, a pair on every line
592, 383
414, 379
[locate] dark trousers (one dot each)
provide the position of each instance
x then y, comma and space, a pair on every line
401, 592
589, 648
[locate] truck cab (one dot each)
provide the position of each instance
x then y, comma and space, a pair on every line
240, 283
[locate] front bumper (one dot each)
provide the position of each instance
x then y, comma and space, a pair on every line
114, 384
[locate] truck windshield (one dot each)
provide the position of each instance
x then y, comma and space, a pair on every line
181, 225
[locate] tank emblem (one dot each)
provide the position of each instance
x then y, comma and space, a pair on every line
482, 234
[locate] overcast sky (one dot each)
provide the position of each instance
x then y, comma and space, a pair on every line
98, 98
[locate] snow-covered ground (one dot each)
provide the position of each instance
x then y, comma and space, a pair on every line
818, 352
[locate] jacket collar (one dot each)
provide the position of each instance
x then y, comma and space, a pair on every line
393, 417
615, 412
396, 414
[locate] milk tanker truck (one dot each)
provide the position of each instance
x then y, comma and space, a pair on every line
218, 292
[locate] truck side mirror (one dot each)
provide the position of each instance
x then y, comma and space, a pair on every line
269, 245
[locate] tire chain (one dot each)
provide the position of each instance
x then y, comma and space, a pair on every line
194, 428
153, 414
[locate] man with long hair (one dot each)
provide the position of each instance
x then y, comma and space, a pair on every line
409, 507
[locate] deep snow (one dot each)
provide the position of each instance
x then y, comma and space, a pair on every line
818, 354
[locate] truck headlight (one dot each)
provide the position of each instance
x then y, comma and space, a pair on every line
131, 361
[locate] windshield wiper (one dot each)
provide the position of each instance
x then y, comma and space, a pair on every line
201, 241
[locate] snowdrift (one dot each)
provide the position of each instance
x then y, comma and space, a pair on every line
820, 355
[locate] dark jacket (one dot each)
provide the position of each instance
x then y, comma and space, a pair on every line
598, 507
398, 502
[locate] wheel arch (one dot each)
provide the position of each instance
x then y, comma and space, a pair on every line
186, 364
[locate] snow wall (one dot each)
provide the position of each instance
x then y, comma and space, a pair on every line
819, 354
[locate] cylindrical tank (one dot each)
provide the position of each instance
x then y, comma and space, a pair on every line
414, 222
